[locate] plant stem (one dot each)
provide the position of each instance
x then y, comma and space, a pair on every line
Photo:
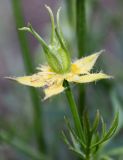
74, 110
88, 147
81, 42
38, 127
71, 11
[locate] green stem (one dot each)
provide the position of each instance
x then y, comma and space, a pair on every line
74, 110
81, 27
88, 150
71, 11
20, 146
38, 127
81, 42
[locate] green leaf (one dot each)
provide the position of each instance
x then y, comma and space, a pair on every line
95, 140
66, 140
75, 142
110, 132
117, 106
86, 127
71, 130
113, 127
75, 147
79, 153
106, 158
116, 152
96, 122
103, 127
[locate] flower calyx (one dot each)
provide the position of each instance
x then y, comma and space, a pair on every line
56, 52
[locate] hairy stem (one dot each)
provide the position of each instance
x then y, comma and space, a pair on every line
81, 43
38, 127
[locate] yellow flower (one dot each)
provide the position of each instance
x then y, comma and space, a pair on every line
60, 67
52, 82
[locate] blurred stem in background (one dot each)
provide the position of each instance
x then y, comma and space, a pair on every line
36, 102
81, 42
78, 6
70, 4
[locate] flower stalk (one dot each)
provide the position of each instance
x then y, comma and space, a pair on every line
73, 109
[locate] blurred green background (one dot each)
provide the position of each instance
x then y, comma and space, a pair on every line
104, 31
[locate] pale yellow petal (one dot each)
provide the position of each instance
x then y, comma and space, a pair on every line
88, 78
53, 90
35, 80
44, 68
84, 65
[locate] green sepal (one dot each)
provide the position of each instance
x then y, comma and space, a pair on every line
57, 56
63, 53
53, 61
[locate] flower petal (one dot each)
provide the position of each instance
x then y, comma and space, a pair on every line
84, 65
36, 80
53, 90
88, 78
44, 68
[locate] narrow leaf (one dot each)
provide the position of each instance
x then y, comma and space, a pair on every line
96, 121
113, 127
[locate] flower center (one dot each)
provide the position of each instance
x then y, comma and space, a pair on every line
74, 68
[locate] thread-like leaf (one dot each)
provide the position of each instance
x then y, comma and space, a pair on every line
116, 152
103, 127
75, 142
113, 127
75, 147
96, 121
66, 140
109, 133
86, 126
70, 129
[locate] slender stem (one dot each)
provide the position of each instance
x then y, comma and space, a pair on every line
74, 110
81, 26
88, 147
38, 127
70, 4
81, 42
